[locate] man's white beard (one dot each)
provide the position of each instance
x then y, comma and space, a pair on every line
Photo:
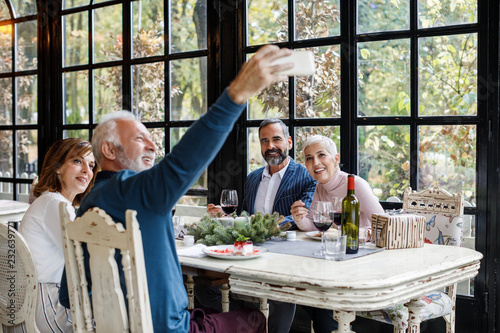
134, 165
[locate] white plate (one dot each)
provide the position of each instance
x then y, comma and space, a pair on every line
316, 235
210, 251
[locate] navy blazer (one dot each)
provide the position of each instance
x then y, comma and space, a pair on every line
296, 184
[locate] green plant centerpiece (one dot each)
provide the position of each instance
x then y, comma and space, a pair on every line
210, 231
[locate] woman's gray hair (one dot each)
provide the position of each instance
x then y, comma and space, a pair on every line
106, 131
326, 142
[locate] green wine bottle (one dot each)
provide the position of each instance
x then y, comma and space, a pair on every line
350, 217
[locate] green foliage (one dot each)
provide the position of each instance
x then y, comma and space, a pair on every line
447, 86
210, 231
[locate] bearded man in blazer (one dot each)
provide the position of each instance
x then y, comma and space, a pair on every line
276, 186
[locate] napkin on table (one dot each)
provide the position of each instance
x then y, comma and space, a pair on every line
195, 251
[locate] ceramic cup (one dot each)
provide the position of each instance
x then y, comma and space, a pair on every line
188, 240
291, 235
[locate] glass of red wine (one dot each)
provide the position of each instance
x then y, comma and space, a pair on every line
322, 219
336, 213
229, 201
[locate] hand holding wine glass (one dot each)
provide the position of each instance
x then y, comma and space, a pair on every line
322, 220
229, 201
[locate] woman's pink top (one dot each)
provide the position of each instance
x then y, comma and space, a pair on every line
337, 187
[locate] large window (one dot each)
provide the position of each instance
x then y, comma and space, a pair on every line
18, 98
152, 61
396, 87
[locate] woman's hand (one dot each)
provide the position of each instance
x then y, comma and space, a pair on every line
298, 211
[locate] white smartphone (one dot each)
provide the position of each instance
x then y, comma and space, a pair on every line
303, 63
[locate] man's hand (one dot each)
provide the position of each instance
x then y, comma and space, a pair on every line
257, 73
298, 211
214, 211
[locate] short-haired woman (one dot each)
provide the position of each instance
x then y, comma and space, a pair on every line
67, 174
322, 162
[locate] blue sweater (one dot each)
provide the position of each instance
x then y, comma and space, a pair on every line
153, 193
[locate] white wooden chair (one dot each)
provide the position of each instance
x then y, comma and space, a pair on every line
102, 236
18, 282
443, 213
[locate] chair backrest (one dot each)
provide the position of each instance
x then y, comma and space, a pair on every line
102, 237
18, 281
442, 211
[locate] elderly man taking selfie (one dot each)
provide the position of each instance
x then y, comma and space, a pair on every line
129, 180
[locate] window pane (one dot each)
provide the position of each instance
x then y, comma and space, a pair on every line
27, 152
76, 39
26, 53
318, 96
6, 101
383, 15
271, 102
447, 158
188, 25
316, 18
440, 13
5, 48
76, 97
148, 29
384, 78
188, 90
384, 159
158, 135
175, 135
148, 84
267, 21
26, 111
24, 7
448, 75
192, 200
108, 38
4, 11
107, 91
6, 154
76, 133
66, 4
255, 159
302, 133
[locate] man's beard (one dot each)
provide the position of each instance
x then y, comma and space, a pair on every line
134, 165
275, 160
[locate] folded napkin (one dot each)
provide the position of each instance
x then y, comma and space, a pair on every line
195, 251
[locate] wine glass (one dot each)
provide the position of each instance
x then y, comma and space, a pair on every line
336, 214
229, 201
322, 221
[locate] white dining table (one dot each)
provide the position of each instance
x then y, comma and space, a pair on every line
11, 210
365, 283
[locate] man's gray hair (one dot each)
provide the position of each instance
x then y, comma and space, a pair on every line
106, 131
269, 121
326, 142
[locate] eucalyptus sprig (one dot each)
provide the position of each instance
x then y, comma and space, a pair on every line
210, 231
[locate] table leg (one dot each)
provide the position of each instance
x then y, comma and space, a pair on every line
414, 307
344, 319
190, 291
225, 297
264, 308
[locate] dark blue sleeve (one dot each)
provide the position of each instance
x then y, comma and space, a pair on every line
308, 187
